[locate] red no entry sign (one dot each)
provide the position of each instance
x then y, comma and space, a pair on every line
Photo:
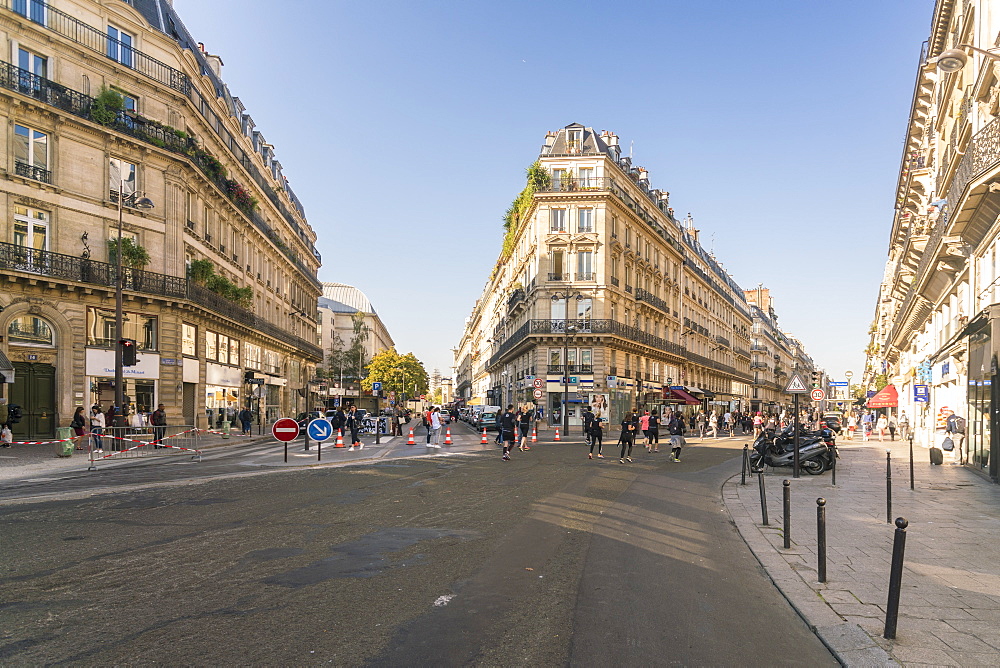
285, 429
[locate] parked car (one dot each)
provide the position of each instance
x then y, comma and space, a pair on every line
305, 418
487, 420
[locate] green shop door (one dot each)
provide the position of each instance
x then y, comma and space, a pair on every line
34, 390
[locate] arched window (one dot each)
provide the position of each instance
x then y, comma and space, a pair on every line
30, 329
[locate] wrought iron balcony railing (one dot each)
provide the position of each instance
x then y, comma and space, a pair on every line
555, 276
32, 172
83, 270
614, 281
99, 41
571, 369
652, 300
585, 276
567, 184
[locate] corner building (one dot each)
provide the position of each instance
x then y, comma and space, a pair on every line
598, 278
244, 331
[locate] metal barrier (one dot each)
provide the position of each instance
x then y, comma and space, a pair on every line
368, 425
116, 443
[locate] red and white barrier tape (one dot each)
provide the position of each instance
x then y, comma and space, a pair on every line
42, 442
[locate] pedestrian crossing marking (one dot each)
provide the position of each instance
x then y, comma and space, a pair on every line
796, 384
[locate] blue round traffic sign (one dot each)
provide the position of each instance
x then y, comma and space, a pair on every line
319, 429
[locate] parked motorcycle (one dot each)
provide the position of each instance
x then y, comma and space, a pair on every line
816, 450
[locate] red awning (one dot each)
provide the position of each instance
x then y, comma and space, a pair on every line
887, 397
673, 396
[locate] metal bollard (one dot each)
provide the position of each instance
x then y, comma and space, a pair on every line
895, 578
746, 464
763, 499
821, 538
786, 494
888, 488
911, 461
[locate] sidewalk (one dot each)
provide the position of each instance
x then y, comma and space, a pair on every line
949, 609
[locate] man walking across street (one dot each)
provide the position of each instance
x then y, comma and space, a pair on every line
354, 424
246, 418
588, 423
675, 427
629, 426
508, 425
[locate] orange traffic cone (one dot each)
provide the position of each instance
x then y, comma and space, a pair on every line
484, 436
534, 435
447, 436
340, 439
557, 434
410, 441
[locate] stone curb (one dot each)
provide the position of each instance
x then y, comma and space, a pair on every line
849, 643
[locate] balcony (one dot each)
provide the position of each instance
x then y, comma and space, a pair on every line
628, 288
33, 173
572, 369
567, 184
759, 348
554, 276
651, 299
723, 341
614, 281
612, 371
98, 41
585, 276
758, 365
15, 258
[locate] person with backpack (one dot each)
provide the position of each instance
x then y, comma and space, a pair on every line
653, 432
955, 429
596, 438
675, 427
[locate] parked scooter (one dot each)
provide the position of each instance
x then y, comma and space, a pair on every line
816, 450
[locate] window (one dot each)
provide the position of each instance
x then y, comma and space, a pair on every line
211, 345
584, 308
585, 220
101, 329
251, 356
557, 266
32, 62
234, 352
31, 9
121, 175
555, 356
585, 266
586, 177
119, 46
557, 220
222, 352
130, 102
189, 340
31, 153
31, 228
31, 330
614, 226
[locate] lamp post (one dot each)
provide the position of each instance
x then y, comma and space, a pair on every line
139, 203
848, 375
567, 327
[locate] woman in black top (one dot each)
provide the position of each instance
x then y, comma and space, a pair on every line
596, 438
629, 426
653, 433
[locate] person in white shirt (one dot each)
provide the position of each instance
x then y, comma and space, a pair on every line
97, 425
435, 428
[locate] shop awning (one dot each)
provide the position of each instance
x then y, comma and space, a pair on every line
6, 369
887, 397
698, 390
673, 396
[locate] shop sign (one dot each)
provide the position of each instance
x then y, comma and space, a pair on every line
945, 369
226, 376
101, 364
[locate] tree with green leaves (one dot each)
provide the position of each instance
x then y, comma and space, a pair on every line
398, 373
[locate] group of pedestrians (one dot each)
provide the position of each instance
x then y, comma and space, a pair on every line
872, 424
514, 427
97, 423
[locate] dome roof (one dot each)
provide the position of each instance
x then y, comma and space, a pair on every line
348, 294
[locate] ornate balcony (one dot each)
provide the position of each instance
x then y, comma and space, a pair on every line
34, 173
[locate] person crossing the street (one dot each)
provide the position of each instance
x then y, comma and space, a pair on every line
629, 425
508, 427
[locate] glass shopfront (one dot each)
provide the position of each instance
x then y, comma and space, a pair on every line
221, 404
978, 428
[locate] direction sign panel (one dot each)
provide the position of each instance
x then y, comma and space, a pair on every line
538, 393
285, 429
817, 395
921, 394
537, 383
319, 429
795, 385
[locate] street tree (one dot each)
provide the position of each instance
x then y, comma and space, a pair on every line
398, 373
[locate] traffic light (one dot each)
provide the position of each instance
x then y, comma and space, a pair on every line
815, 379
128, 352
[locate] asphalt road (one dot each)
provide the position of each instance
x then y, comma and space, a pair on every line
551, 559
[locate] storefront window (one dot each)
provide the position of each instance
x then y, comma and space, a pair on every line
223, 350
234, 352
979, 397
211, 345
189, 338
221, 404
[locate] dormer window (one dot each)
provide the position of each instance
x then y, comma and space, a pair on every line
574, 141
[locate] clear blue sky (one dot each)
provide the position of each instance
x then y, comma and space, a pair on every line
405, 128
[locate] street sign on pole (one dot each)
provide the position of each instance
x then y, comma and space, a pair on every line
538, 393
376, 386
817, 395
537, 383
319, 429
285, 429
795, 385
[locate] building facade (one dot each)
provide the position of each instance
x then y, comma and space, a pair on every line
107, 101
939, 301
601, 296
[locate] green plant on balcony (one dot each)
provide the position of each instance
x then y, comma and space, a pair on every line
203, 273
538, 178
209, 164
240, 196
200, 271
134, 256
106, 106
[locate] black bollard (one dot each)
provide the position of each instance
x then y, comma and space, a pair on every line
786, 494
763, 499
833, 467
746, 464
821, 538
888, 488
895, 578
911, 461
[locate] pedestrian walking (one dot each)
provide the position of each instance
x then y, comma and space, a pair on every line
881, 427
97, 428
892, 428
426, 421
79, 426
159, 422
644, 428
354, 425
507, 424
712, 426
524, 419
588, 423
435, 427
596, 438
629, 425
758, 425
904, 426
675, 427
852, 425
246, 418
653, 433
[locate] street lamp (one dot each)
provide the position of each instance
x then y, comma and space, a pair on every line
139, 203
567, 327
848, 375
952, 60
